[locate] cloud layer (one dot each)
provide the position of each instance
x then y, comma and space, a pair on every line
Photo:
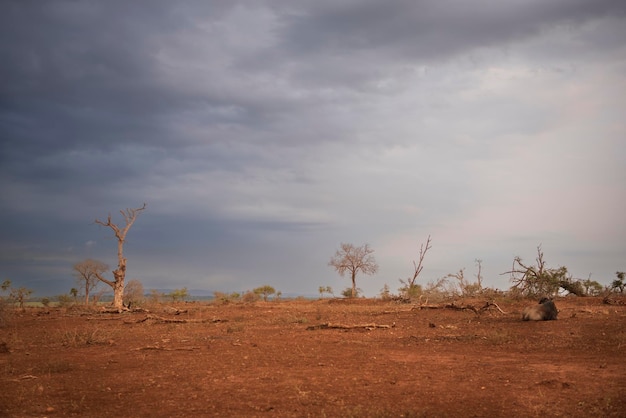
263, 134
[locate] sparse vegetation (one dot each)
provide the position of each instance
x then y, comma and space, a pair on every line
350, 292
155, 297
79, 337
133, 293
86, 273
325, 289
178, 294
385, 293
538, 280
264, 291
305, 339
226, 297
619, 284
410, 289
249, 297
64, 300
19, 295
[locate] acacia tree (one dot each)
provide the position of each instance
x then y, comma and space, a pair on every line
19, 295
87, 272
618, 284
264, 291
353, 260
119, 274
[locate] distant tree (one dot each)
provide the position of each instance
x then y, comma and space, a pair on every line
45, 302
592, 287
86, 273
179, 294
385, 293
155, 296
64, 300
353, 260
119, 274
325, 289
6, 285
619, 284
479, 274
465, 287
19, 295
226, 297
264, 291
133, 293
74, 293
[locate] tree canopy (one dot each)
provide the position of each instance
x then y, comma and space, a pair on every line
351, 259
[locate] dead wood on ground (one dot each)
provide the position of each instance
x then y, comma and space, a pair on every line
342, 326
456, 307
174, 320
158, 347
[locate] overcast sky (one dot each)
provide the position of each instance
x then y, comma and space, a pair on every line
262, 134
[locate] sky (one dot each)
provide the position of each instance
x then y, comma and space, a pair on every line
263, 134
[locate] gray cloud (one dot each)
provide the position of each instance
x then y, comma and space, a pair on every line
262, 134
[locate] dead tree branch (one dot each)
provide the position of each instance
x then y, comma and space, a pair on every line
419, 266
456, 307
328, 325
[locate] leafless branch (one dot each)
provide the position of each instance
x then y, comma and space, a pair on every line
419, 266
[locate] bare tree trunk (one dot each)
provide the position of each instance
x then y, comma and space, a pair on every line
119, 274
118, 288
353, 283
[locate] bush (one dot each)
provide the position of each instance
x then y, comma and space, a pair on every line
409, 291
347, 292
64, 301
226, 297
250, 297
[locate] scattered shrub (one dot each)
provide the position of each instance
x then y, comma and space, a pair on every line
250, 297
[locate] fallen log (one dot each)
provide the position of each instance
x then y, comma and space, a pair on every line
158, 347
174, 320
328, 325
456, 307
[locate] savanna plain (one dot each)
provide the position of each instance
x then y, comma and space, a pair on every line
315, 358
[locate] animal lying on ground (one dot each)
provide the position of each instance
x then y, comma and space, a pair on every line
545, 311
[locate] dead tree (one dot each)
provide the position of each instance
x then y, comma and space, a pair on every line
479, 276
409, 284
536, 280
119, 274
87, 272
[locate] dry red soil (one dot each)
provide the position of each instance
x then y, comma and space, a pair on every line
271, 359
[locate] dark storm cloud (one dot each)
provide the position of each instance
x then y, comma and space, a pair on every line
356, 43
253, 128
424, 30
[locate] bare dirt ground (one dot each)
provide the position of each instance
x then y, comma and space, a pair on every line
272, 359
